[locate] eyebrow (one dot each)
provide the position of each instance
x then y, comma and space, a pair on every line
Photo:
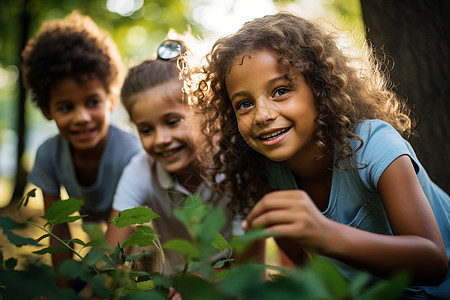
62, 102
268, 83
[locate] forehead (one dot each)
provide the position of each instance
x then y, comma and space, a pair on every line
155, 102
252, 67
69, 87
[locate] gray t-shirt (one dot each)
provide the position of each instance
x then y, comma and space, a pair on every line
354, 198
53, 168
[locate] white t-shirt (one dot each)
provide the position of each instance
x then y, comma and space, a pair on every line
145, 182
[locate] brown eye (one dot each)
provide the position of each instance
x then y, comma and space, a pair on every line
244, 104
280, 92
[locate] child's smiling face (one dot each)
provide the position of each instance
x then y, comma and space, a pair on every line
167, 127
275, 116
81, 112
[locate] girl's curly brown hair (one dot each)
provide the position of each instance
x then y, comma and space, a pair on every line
72, 47
343, 93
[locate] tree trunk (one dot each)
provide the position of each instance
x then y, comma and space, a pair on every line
21, 174
416, 36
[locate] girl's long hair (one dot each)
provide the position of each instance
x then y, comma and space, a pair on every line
345, 92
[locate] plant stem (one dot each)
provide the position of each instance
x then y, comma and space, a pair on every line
62, 242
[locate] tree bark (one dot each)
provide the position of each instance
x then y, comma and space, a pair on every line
21, 173
415, 36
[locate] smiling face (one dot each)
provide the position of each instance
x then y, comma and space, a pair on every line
166, 126
274, 115
81, 112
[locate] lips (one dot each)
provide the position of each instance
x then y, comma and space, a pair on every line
83, 134
272, 135
170, 154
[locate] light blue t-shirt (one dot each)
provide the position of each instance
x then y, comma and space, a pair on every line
354, 199
53, 168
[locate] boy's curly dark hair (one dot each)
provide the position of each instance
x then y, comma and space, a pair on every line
343, 93
72, 47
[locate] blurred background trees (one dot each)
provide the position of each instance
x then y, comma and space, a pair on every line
414, 35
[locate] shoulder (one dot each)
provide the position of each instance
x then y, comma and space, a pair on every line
123, 144
137, 174
371, 127
382, 144
121, 135
141, 161
51, 147
378, 135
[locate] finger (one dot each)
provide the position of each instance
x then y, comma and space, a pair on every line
272, 202
273, 217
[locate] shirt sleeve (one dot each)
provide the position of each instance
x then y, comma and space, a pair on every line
135, 185
382, 145
43, 174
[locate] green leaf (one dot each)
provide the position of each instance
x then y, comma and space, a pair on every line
219, 264
220, 243
18, 240
193, 212
143, 236
77, 241
71, 268
95, 234
11, 263
24, 200
6, 223
61, 210
241, 242
333, 279
42, 237
183, 247
358, 283
241, 279
51, 249
204, 290
145, 285
94, 256
210, 225
132, 216
146, 295
99, 287
389, 289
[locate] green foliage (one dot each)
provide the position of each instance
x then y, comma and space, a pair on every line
137, 215
61, 211
112, 274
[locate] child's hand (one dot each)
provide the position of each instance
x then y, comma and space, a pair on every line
291, 214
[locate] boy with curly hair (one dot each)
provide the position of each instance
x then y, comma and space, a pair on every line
73, 70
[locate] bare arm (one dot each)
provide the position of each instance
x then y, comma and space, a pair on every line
62, 231
114, 234
416, 246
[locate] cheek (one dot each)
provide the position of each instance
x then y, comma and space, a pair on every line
244, 127
146, 143
191, 140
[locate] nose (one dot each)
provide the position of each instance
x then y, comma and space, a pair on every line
162, 136
264, 111
81, 115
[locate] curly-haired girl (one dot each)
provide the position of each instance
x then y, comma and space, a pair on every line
328, 168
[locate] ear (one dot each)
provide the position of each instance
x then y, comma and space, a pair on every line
112, 100
47, 114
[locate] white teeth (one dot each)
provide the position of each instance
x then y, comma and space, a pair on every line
168, 153
272, 135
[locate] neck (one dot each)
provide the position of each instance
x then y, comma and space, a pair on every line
315, 178
307, 167
189, 179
